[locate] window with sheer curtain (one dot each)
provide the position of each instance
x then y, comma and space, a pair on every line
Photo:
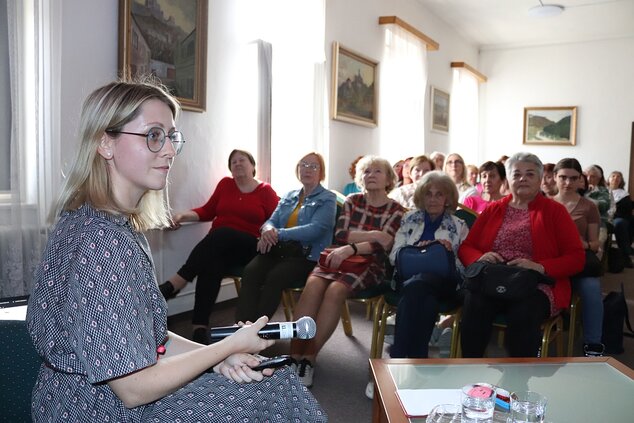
292, 110
403, 78
463, 108
22, 211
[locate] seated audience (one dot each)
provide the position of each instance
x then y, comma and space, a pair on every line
96, 316
622, 216
436, 199
549, 185
455, 168
366, 226
352, 187
523, 229
290, 242
599, 193
492, 178
585, 214
419, 166
439, 160
238, 207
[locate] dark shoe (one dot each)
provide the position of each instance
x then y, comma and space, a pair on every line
168, 291
201, 335
628, 262
306, 372
593, 350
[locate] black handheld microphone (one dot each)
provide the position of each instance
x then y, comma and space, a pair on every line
303, 328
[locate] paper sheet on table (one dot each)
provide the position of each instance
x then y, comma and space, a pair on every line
419, 402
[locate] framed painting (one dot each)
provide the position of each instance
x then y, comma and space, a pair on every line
550, 125
354, 87
166, 39
439, 110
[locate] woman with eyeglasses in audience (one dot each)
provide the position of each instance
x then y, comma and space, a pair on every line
96, 316
238, 207
290, 241
455, 168
585, 214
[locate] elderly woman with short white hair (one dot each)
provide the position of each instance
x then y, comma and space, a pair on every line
527, 230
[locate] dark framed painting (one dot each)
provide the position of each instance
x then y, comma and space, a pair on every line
550, 125
354, 87
166, 39
439, 110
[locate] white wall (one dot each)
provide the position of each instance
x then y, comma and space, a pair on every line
594, 76
354, 24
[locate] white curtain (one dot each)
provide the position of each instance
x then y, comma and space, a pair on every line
22, 232
463, 116
290, 39
403, 79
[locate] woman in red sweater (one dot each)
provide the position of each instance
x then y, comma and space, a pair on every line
238, 208
528, 230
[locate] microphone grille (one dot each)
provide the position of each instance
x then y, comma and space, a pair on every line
306, 327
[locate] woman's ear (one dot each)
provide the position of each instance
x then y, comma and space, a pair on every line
105, 147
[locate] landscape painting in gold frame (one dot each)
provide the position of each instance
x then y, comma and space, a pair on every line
354, 87
550, 125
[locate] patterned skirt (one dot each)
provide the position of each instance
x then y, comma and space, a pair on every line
214, 398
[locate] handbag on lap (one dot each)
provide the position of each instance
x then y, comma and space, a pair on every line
503, 281
356, 264
432, 258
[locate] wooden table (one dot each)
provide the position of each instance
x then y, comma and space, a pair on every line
578, 388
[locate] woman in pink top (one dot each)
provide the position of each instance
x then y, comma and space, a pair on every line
492, 177
238, 208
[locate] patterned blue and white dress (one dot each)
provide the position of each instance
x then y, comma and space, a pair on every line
96, 314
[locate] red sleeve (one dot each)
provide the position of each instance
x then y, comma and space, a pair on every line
479, 239
269, 200
209, 211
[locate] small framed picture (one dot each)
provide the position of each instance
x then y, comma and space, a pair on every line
439, 110
550, 125
354, 87
167, 39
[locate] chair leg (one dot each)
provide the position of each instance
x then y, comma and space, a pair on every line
345, 319
572, 327
287, 302
455, 339
376, 328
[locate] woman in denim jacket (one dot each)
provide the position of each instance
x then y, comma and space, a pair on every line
299, 229
436, 198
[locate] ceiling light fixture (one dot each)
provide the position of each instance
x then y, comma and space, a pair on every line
544, 10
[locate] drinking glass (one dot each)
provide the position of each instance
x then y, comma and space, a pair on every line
478, 402
445, 413
527, 407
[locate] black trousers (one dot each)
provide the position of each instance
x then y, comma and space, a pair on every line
210, 260
418, 308
264, 279
523, 319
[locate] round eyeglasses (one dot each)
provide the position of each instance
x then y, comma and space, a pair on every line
155, 138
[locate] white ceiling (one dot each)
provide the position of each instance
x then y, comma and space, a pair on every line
492, 24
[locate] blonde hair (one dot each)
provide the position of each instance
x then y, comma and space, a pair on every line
463, 177
368, 161
112, 107
444, 183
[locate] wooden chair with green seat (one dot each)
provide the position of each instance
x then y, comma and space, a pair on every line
387, 305
467, 214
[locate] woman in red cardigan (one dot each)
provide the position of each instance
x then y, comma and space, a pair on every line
527, 230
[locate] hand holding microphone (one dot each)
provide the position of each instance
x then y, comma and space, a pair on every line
303, 328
